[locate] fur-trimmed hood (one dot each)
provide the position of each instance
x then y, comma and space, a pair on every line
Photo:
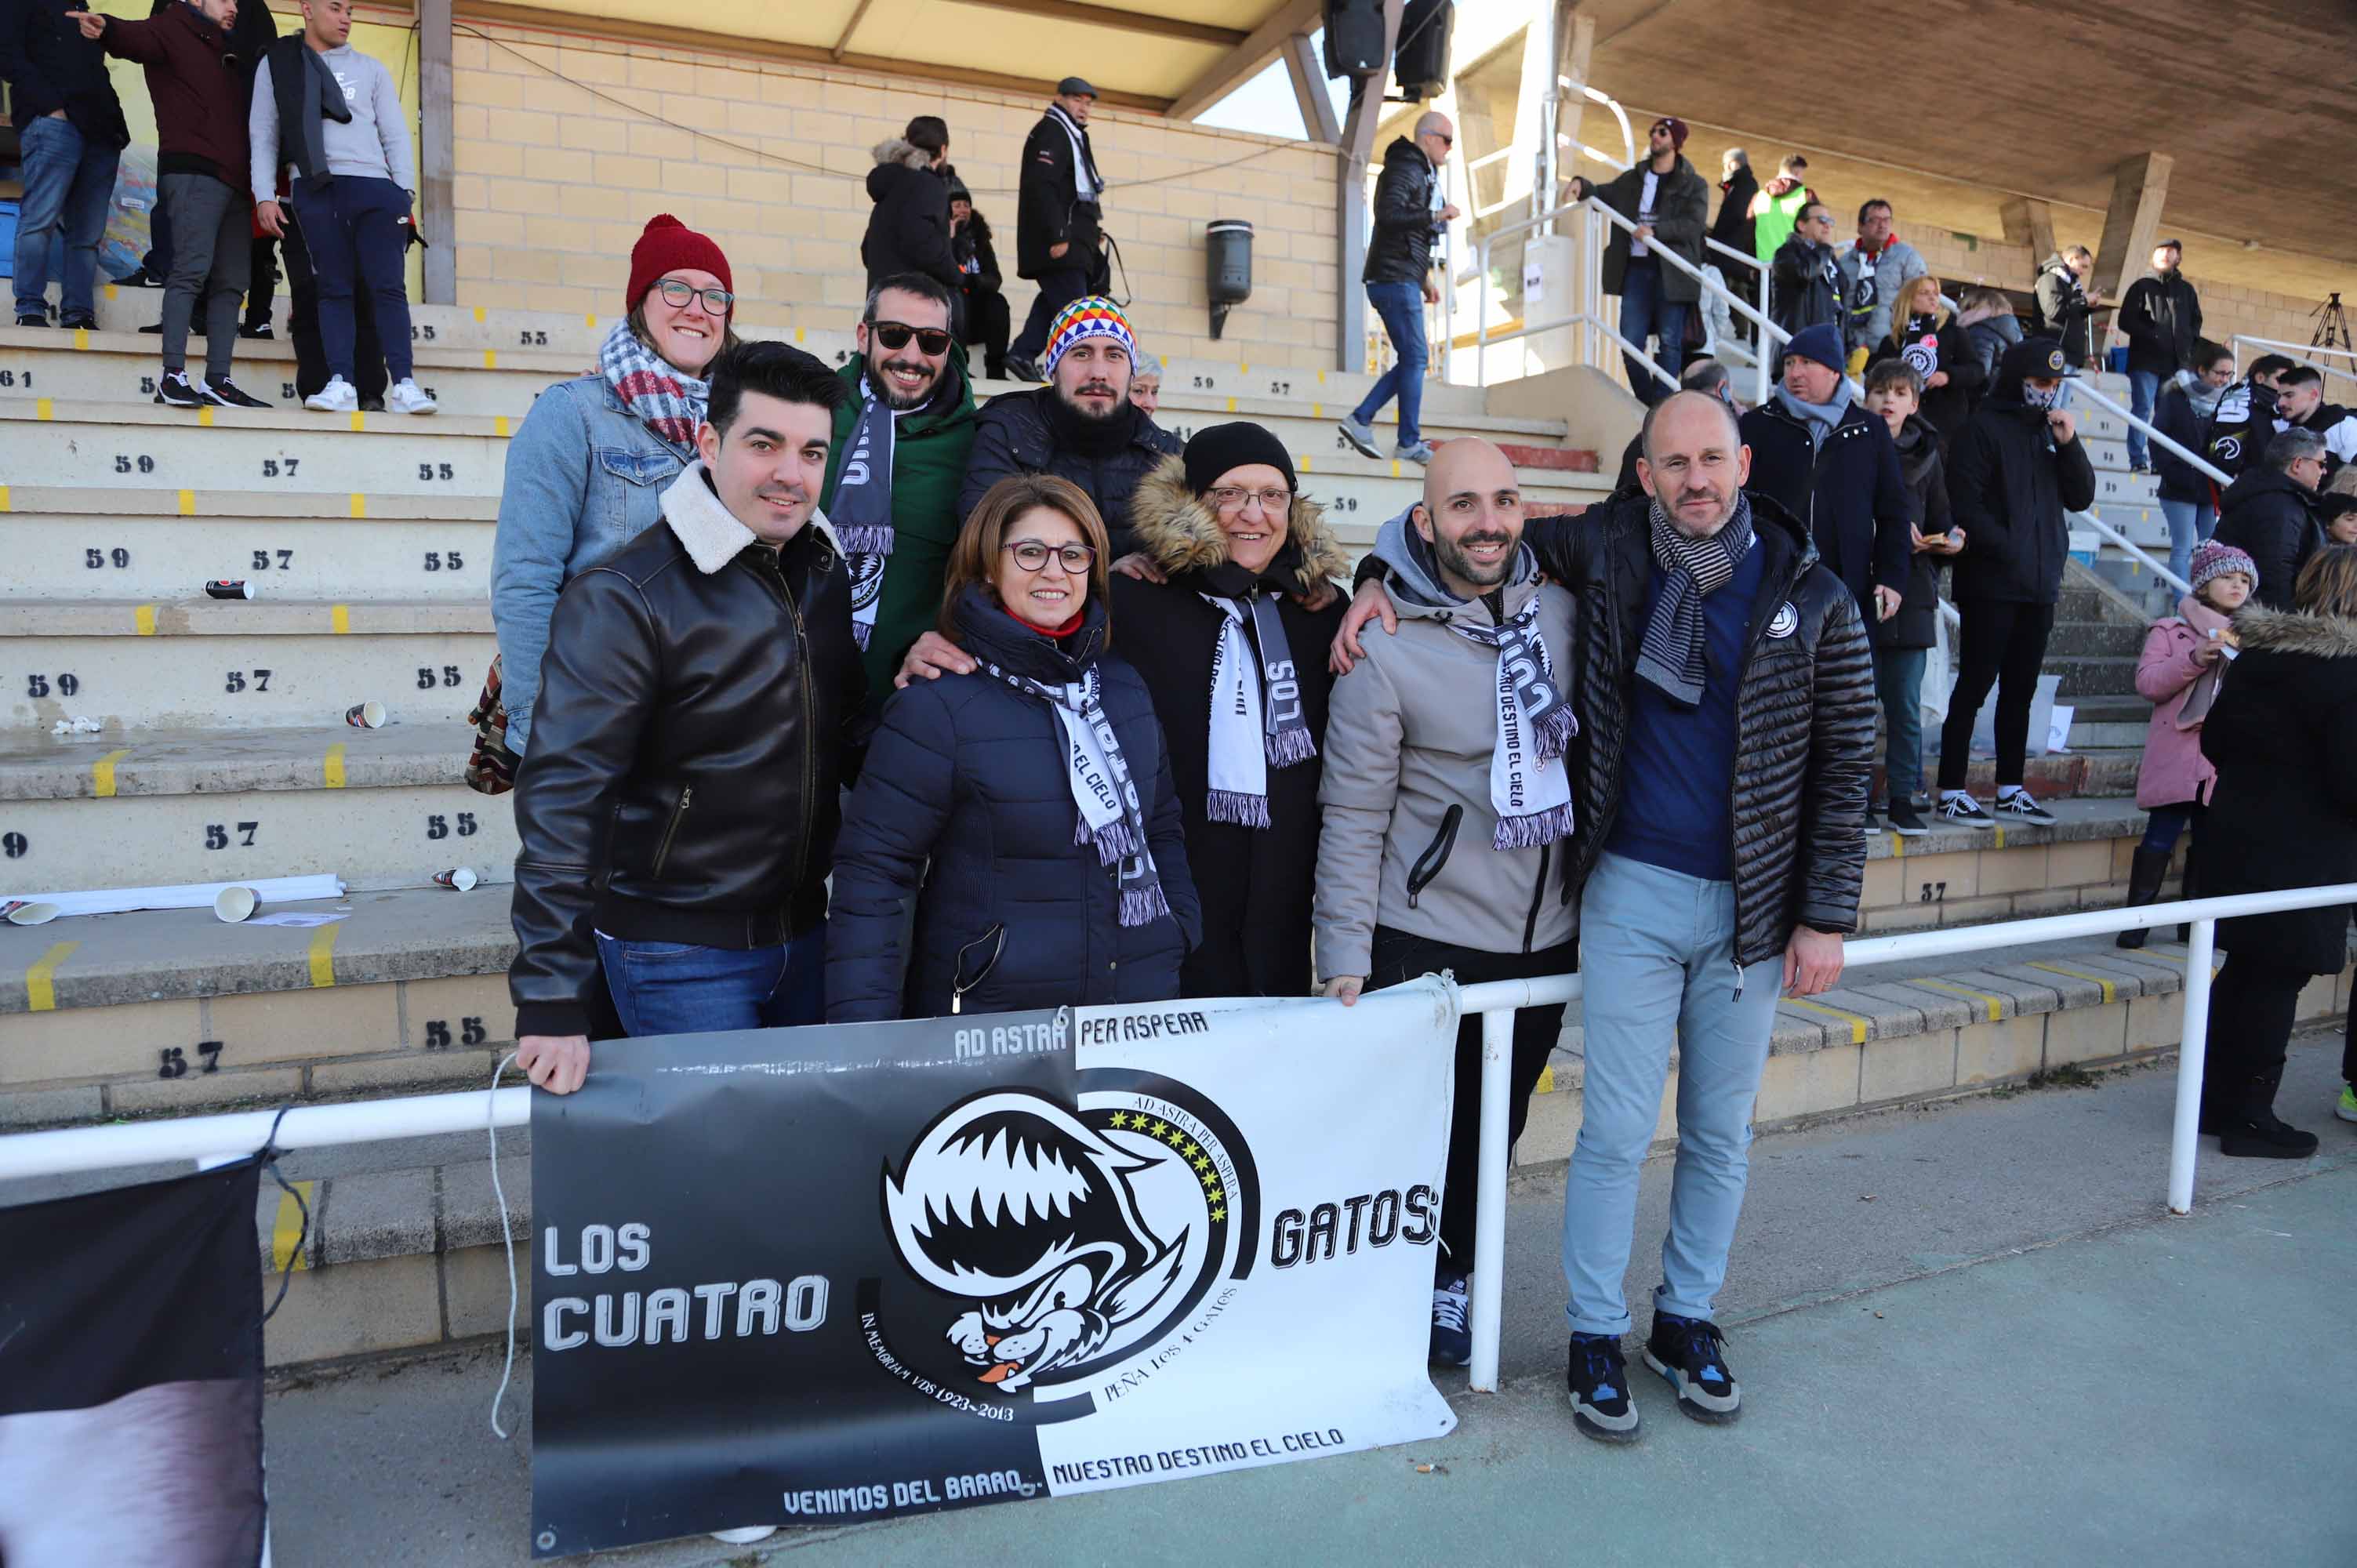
2282, 631
708, 531
908, 155
1179, 533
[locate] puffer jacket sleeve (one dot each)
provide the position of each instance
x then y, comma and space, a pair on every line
890, 826
1566, 547
601, 679
1402, 199
1973, 472
1356, 792
1841, 765
1165, 835
993, 457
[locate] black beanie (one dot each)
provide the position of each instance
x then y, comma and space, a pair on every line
1221, 447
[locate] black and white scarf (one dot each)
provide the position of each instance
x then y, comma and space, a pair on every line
1673, 656
861, 510
1087, 184
1110, 817
1257, 720
1530, 787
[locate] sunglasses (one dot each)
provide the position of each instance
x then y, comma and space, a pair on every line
1032, 555
676, 293
931, 341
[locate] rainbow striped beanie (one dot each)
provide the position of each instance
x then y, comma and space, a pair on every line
1094, 316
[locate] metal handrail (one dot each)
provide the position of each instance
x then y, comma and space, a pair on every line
1628, 137
2294, 352
2089, 520
2296, 347
2085, 387
1746, 258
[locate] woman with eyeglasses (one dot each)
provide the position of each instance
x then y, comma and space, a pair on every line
587, 467
1026, 809
1231, 657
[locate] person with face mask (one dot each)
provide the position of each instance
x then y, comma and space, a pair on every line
2016, 473
901, 441
2182, 412
1081, 426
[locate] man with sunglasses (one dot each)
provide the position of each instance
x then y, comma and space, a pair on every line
1670, 206
1408, 213
901, 441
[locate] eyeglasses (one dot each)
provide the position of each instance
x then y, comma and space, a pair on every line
931, 341
677, 292
1228, 499
1032, 555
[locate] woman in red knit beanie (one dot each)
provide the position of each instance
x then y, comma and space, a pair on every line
586, 470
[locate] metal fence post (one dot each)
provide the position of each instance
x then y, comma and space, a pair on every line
1490, 1194
2193, 1038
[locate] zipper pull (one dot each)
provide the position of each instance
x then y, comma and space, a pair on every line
957, 1003
1738, 979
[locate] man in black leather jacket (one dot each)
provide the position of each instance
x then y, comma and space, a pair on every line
1408, 213
1725, 703
678, 809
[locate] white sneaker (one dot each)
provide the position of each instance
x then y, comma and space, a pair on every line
407, 397
750, 1533
337, 397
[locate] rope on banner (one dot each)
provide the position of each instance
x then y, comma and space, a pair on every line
507, 1242
268, 1156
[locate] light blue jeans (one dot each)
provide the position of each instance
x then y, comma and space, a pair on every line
69, 183
1657, 958
2144, 390
2190, 523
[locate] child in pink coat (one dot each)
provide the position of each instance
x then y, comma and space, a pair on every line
2186, 657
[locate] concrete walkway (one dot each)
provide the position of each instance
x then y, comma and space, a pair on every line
1967, 1335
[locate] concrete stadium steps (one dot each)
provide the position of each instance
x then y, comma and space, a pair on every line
154, 558
378, 808
129, 987
240, 665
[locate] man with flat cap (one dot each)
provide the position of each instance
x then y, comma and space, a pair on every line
1059, 206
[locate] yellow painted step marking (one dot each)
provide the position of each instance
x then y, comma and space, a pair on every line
1303, 462
590, 319
188, 499
1231, 406
102, 774
1322, 378
797, 337
479, 313
1316, 411
1547, 1081
360, 420
286, 1230
323, 955
1997, 838
110, 291
44, 409
1996, 1003
205, 417
41, 979
1898, 846
2111, 992
143, 621
360, 504
1858, 1023
82, 337
331, 767
340, 618
490, 359
1243, 370
499, 424
4, 498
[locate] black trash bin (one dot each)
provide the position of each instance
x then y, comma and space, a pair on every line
1227, 267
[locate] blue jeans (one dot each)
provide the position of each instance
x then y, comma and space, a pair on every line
2190, 523
1657, 956
2143, 391
353, 232
1400, 304
1898, 682
1645, 313
674, 988
68, 184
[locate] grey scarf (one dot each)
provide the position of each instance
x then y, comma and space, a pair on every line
1110, 818
322, 97
1672, 658
861, 509
1820, 417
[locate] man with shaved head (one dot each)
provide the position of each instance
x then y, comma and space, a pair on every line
1409, 213
1726, 700
1448, 800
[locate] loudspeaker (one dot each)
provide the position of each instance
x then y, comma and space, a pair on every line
1354, 37
1421, 63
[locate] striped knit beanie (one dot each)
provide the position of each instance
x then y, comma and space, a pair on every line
1091, 317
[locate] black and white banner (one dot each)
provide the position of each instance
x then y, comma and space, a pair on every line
840, 1274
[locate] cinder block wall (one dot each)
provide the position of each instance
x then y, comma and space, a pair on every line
555, 181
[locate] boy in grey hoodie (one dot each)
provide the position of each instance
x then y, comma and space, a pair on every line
330, 118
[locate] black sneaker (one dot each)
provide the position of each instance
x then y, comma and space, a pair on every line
1687, 1352
256, 329
371, 405
140, 277
1961, 811
151, 331
1599, 1381
1452, 1341
2019, 805
1905, 821
2265, 1138
32, 321
174, 390
227, 393
1023, 369
82, 323
1872, 824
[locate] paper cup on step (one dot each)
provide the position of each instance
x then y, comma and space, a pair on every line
365, 715
26, 912
459, 879
235, 904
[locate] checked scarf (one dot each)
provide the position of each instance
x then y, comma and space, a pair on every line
862, 509
1672, 656
666, 401
1110, 819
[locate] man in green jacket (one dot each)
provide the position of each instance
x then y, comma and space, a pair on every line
900, 449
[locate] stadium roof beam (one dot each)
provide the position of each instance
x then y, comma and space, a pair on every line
1308, 73
1122, 21
1240, 63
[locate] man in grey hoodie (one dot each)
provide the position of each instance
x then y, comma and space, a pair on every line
332, 118
1447, 803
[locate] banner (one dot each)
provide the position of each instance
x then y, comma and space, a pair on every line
840, 1274
131, 1376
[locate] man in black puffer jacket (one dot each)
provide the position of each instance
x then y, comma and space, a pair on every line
1726, 704
2272, 513
714, 653
1398, 275
909, 228
2016, 473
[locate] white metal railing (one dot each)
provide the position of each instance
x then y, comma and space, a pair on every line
1730, 252
2084, 386
206, 1139
2300, 352
2143, 558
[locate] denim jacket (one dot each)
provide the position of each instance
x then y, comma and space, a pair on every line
583, 479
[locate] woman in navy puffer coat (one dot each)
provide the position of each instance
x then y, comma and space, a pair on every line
970, 773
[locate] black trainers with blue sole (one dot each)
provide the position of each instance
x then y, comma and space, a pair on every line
1598, 1379
1688, 1353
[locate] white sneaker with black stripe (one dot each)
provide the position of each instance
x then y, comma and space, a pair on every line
1959, 810
2017, 804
